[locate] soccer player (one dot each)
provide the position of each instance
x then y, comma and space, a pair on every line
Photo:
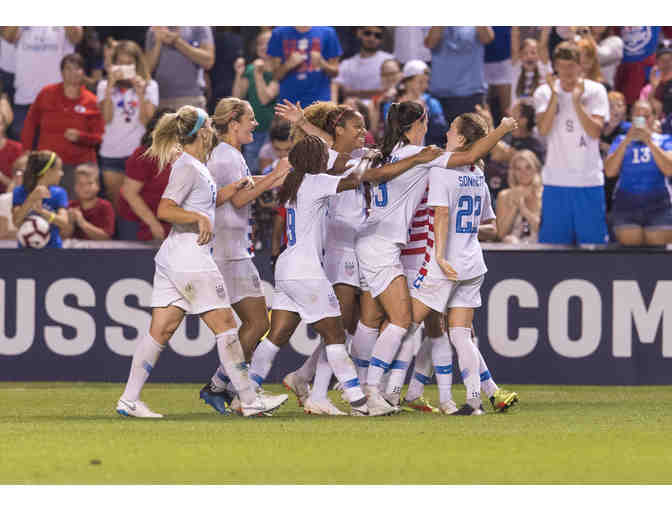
571, 112
234, 121
380, 241
186, 279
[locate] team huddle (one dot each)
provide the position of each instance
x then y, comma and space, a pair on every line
378, 243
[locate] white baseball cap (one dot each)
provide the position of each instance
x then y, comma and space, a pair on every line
414, 68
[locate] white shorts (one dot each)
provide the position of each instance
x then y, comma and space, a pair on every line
241, 279
342, 266
379, 262
313, 300
498, 73
193, 292
441, 294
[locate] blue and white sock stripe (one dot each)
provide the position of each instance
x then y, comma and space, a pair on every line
422, 378
147, 366
375, 362
362, 363
256, 378
444, 369
485, 376
222, 376
399, 365
351, 383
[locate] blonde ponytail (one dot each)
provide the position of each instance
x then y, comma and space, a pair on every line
172, 132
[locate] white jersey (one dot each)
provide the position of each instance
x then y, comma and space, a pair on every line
302, 260
347, 210
191, 187
233, 230
464, 191
393, 203
573, 157
413, 254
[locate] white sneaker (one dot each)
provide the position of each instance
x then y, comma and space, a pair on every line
378, 406
448, 407
264, 403
298, 386
137, 409
325, 406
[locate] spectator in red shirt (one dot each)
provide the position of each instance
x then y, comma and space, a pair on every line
68, 119
92, 217
141, 192
9, 153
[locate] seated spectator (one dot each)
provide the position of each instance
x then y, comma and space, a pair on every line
609, 52
413, 87
305, 59
127, 103
68, 120
38, 53
40, 194
590, 63
660, 73
255, 84
642, 208
390, 76
141, 192
519, 206
278, 146
9, 153
176, 56
92, 217
359, 76
531, 64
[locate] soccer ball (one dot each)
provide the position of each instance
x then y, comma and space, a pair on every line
34, 232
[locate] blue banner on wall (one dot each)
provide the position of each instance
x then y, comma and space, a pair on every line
548, 317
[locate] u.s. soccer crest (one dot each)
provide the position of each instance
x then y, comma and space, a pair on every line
349, 268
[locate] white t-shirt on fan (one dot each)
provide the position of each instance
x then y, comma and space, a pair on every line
191, 187
39, 51
123, 134
573, 158
233, 231
302, 260
358, 73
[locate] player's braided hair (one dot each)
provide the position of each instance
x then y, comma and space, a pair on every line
172, 132
37, 160
309, 156
400, 118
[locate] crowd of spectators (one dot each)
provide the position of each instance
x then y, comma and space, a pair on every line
589, 162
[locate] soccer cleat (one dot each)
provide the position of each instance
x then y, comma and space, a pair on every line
220, 401
448, 407
467, 410
419, 404
137, 409
325, 406
378, 406
503, 399
362, 410
298, 386
391, 398
263, 404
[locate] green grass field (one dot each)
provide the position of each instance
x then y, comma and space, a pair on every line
61, 433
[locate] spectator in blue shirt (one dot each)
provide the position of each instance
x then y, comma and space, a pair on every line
305, 59
40, 194
642, 208
458, 79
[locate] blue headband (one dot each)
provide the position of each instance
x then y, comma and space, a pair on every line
199, 122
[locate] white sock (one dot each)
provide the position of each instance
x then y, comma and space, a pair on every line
467, 356
262, 361
488, 385
344, 369
383, 353
442, 356
400, 365
307, 370
323, 374
362, 346
220, 381
231, 357
348, 343
144, 360
423, 371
